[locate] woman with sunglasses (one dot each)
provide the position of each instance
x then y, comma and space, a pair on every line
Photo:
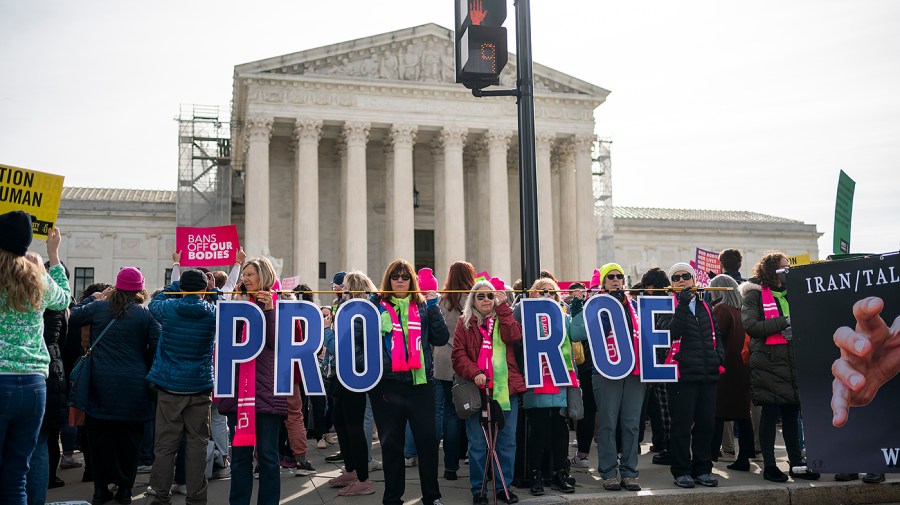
483, 352
410, 325
549, 431
619, 401
699, 355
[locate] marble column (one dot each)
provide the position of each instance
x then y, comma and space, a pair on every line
546, 224
568, 230
399, 201
451, 212
441, 263
256, 186
584, 184
354, 203
497, 142
307, 133
515, 213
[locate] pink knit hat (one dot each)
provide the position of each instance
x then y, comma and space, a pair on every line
595, 279
427, 282
130, 279
498, 284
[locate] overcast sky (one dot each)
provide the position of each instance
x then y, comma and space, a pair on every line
717, 105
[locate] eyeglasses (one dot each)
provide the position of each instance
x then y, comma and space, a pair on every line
482, 296
611, 277
686, 277
400, 277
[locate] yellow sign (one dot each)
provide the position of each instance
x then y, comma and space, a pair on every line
33, 192
800, 259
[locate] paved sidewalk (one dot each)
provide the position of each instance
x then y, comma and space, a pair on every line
736, 487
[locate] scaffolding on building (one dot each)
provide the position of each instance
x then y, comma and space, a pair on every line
603, 206
204, 167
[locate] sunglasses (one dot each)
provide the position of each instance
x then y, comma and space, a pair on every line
545, 294
482, 296
611, 277
686, 277
400, 277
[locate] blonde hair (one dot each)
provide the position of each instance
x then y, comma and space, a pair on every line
264, 270
546, 284
21, 282
469, 305
359, 284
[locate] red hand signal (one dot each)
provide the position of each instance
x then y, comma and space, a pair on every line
477, 12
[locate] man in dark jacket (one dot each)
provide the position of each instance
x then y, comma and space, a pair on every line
730, 261
182, 373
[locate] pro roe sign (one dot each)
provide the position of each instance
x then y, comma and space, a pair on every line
207, 247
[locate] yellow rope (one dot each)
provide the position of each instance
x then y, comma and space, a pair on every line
669, 289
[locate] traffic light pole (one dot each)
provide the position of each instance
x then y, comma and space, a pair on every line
531, 253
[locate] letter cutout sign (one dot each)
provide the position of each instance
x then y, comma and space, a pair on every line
232, 348
538, 346
623, 350
288, 351
651, 339
348, 315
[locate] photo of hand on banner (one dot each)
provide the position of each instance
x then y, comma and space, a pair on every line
870, 357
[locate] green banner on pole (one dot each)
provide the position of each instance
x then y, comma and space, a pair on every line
843, 212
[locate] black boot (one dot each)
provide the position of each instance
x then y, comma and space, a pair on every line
537, 483
561, 482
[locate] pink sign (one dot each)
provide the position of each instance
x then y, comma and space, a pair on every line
289, 283
707, 263
207, 247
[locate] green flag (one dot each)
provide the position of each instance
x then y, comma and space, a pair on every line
843, 211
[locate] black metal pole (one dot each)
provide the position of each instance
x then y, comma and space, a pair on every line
531, 251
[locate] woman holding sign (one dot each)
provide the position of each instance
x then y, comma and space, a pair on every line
773, 367
410, 325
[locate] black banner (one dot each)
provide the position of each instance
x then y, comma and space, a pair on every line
846, 320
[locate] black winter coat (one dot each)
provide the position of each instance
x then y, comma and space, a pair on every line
57, 412
773, 368
700, 355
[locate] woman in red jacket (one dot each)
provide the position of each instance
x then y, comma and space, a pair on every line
483, 353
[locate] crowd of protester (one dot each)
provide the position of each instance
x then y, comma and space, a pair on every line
149, 406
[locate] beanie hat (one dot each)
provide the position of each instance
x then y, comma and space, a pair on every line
498, 284
193, 280
338, 278
15, 232
677, 267
607, 268
427, 282
130, 279
595, 279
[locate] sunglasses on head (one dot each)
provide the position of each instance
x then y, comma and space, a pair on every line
686, 277
614, 277
482, 296
400, 277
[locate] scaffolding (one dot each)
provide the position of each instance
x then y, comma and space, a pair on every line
603, 206
204, 167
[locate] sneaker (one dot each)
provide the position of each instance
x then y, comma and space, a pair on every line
150, 491
357, 488
413, 461
140, 468
480, 499
67, 462
631, 484
221, 473
707, 480
580, 462
330, 438
804, 473
322, 444
304, 469
502, 496
375, 465
774, 474
873, 478
612, 484
337, 458
343, 480
684, 481
179, 489
450, 475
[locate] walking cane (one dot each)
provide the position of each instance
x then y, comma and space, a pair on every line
491, 428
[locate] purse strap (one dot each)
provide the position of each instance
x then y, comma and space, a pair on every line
102, 333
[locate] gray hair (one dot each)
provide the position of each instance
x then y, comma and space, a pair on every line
731, 297
469, 307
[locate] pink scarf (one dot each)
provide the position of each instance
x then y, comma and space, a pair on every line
245, 430
770, 311
405, 356
547, 387
486, 355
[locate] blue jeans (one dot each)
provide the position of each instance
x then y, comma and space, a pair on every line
38, 471
23, 399
447, 423
619, 402
267, 429
505, 445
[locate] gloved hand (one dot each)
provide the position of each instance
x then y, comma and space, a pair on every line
576, 306
618, 295
788, 333
685, 296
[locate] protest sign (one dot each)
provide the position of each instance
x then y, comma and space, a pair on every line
800, 259
856, 302
707, 263
207, 247
289, 283
33, 192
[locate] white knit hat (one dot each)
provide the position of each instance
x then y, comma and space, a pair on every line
677, 267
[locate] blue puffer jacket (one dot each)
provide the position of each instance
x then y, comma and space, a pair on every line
183, 362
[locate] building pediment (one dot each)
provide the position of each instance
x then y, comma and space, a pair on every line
422, 54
